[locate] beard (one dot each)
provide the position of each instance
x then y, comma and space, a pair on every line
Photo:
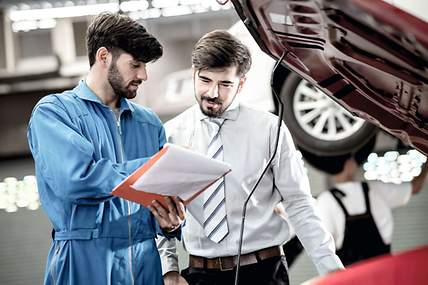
118, 84
209, 111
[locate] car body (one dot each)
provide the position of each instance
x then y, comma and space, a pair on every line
368, 56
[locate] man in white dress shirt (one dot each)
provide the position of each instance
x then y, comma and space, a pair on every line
244, 138
358, 214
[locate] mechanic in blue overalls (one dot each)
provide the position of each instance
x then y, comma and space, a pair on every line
85, 142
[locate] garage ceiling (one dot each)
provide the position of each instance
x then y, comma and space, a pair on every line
7, 3
61, 3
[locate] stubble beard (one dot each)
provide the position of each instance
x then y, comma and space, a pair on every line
210, 112
117, 83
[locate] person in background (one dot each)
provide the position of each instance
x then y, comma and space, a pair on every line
222, 128
86, 141
357, 213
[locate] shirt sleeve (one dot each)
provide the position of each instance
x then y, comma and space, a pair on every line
168, 254
65, 160
292, 182
395, 195
323, 204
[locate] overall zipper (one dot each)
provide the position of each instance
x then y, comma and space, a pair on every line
121, 159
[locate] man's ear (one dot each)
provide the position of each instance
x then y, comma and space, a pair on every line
102, 56
242, 81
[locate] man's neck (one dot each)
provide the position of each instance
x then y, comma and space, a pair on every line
102, 88
342, 178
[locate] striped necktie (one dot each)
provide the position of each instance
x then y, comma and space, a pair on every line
214, 206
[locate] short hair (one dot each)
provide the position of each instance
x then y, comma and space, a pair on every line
118, 32
334, 164
219, 49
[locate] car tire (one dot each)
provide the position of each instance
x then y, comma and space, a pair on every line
315, 144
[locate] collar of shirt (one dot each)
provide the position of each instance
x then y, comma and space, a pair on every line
231, 113
84, 92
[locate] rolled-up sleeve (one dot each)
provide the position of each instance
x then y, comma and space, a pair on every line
292, 183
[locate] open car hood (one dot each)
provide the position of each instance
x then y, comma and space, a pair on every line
369, 56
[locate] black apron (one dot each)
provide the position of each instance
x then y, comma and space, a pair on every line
362, 239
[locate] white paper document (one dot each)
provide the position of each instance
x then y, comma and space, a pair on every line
180, 172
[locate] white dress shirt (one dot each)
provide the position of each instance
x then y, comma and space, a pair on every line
248, 138
383, 197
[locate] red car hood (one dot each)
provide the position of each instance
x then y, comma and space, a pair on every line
369, 56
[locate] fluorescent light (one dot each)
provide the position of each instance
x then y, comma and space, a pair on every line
391, 155
16, 194
394, 167
61, 12
25, 16
370, 175
164, 3
372, 157
46, 24
24, 26
131, 6
192, 2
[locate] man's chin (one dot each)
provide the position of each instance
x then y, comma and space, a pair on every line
210, 112
131, 95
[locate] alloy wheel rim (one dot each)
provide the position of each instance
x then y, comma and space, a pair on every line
321, 117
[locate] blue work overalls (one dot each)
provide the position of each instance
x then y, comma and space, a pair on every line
81, 152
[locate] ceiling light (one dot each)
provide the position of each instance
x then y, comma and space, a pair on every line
16, 194
394, 167
164, 3
61, 12
131, 6
192, 2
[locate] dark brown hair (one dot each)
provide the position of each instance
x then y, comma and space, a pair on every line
219, 49
118, 32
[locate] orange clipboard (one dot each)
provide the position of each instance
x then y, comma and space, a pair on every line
126, 191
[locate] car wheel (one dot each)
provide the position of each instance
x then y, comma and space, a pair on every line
317, 123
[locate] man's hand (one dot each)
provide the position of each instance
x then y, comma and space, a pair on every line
169, 219
173, 278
